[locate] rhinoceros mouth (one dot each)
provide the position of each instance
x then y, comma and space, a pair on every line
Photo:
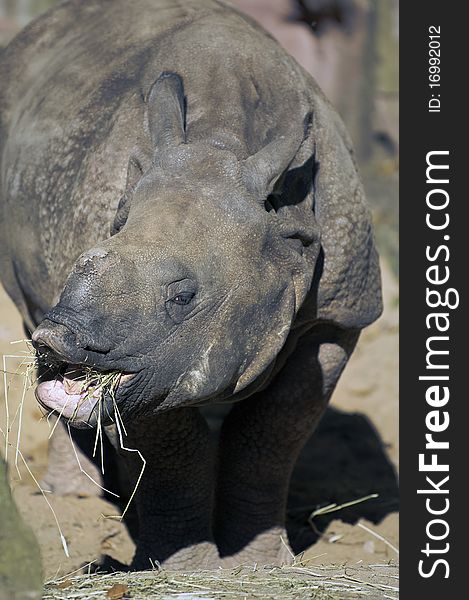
81, 394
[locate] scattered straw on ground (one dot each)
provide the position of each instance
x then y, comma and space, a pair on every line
374, 582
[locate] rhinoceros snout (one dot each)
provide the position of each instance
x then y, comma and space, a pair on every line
51, 337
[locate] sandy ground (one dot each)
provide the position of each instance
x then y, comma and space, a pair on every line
353, 454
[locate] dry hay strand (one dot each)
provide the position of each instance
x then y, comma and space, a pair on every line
373, 582
103, 382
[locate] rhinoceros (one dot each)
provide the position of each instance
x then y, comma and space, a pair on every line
180, 206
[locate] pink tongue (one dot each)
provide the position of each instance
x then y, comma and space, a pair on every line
74, 381
76, 406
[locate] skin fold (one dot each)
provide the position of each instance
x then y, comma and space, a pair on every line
180, 206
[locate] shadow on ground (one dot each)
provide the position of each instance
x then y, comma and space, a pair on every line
344, 460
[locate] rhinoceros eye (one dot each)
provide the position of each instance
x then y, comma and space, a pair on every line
182, 298
179, 297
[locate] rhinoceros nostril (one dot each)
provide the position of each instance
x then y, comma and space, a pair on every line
54, 337
42, 336
67, 342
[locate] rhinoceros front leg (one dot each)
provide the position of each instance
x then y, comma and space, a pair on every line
259, 444
175, 496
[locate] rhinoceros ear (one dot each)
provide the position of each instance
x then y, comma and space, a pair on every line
263, 171
134, 172
315, 190
166, 111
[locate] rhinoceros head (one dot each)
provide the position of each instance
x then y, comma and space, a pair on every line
194, 294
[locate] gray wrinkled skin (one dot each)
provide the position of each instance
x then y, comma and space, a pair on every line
179, 202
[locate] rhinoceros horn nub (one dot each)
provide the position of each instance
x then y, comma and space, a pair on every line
166, 111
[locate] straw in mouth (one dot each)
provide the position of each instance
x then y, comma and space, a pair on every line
77, 389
